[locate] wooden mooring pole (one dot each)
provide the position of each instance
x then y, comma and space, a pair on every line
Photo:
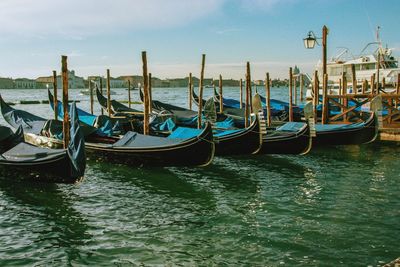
241, 93
64, 73
301, 87
248, 88
101, 91
325, 100
221, 99
203, 62
295, 90
150, 95
354, 78
55, 95
316, 95
344, 93
268, 98
190, 89
373, 84
290, 94
398, 89
146, 100
91, 95
108, 93
129, 93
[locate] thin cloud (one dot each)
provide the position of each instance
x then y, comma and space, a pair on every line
265, 5
76, 19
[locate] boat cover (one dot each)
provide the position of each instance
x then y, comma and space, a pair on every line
291, 127
136, 140
76, 146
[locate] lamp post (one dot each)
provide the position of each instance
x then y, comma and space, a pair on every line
311, 39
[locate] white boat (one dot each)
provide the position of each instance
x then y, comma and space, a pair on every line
366, 64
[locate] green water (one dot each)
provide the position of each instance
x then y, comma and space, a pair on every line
334, 206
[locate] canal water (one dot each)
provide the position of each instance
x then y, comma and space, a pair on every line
336, 206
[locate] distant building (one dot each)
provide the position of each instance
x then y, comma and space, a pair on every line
6, 83
74, 81
24, 83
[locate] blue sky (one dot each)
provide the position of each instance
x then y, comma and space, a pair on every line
101, 34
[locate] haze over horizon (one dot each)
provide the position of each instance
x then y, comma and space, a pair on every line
102, 34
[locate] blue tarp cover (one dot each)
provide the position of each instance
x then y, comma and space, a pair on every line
291, 127
184, 133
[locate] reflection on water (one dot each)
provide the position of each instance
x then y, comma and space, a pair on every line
334, 206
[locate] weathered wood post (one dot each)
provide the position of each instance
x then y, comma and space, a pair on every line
146, 95
241, 93
295, 89
344, 93
150, 95
354, 78
397, 89
221, 99
248, 88
101, 91
290, 94
55, 100
378, 65
129, 93
250, 92
108, 93
325, 99
383, 83
301, 87
64, 73
203, 62
268, 98
190, 88
316, 95
91, 94
364, 86
373, 84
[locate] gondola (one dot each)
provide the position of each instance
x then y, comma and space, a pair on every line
227, 141
356, 133
25, 161
189, 149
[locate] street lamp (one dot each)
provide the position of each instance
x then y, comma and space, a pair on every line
311, 39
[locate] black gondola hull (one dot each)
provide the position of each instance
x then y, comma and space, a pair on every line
296, 143
365, 134
198, 151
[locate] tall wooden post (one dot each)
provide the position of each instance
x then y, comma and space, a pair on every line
190, 89
354, 78
108, 93
290, 94
316, 95
248, 95
301, 87
344, 93
91, 95
55, 95
101, 91
398, 88
378, 65
221, 100
150, 95
373, 85
295, 90
241, 93
146, 99
203, 62
268, 99
325, 100
64, 73
250, 91
364, 86
129, 93
324, 48
383, 83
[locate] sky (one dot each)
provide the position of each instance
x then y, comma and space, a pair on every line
111, 34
